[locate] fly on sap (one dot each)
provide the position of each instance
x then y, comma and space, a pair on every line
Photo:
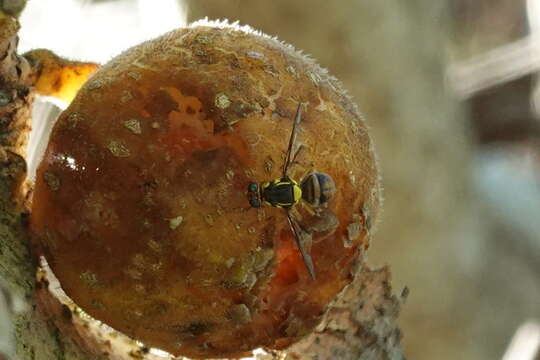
315, 189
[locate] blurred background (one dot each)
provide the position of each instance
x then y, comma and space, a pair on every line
451, 93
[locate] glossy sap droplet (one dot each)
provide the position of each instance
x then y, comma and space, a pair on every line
141, 203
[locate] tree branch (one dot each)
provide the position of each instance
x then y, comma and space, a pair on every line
35, 336
361, 325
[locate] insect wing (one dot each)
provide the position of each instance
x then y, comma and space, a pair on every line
301, 238
297, 119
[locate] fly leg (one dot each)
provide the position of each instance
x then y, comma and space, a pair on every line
313, 211
295, 213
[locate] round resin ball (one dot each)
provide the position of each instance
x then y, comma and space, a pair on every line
141, 204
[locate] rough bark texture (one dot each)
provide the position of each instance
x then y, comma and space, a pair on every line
15, 100
35, 337
361, 326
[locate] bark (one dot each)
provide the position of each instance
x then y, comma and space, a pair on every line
32, 335
15, 98
362, 324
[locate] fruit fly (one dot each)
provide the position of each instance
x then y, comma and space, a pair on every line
315, 189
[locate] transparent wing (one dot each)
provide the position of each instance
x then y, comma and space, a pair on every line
298, 154
301, 238
297, 119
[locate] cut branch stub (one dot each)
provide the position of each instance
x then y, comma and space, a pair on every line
141, 204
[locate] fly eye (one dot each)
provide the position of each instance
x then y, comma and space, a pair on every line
253, 187
255, 203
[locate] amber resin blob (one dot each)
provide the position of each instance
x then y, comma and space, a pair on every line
140, 204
